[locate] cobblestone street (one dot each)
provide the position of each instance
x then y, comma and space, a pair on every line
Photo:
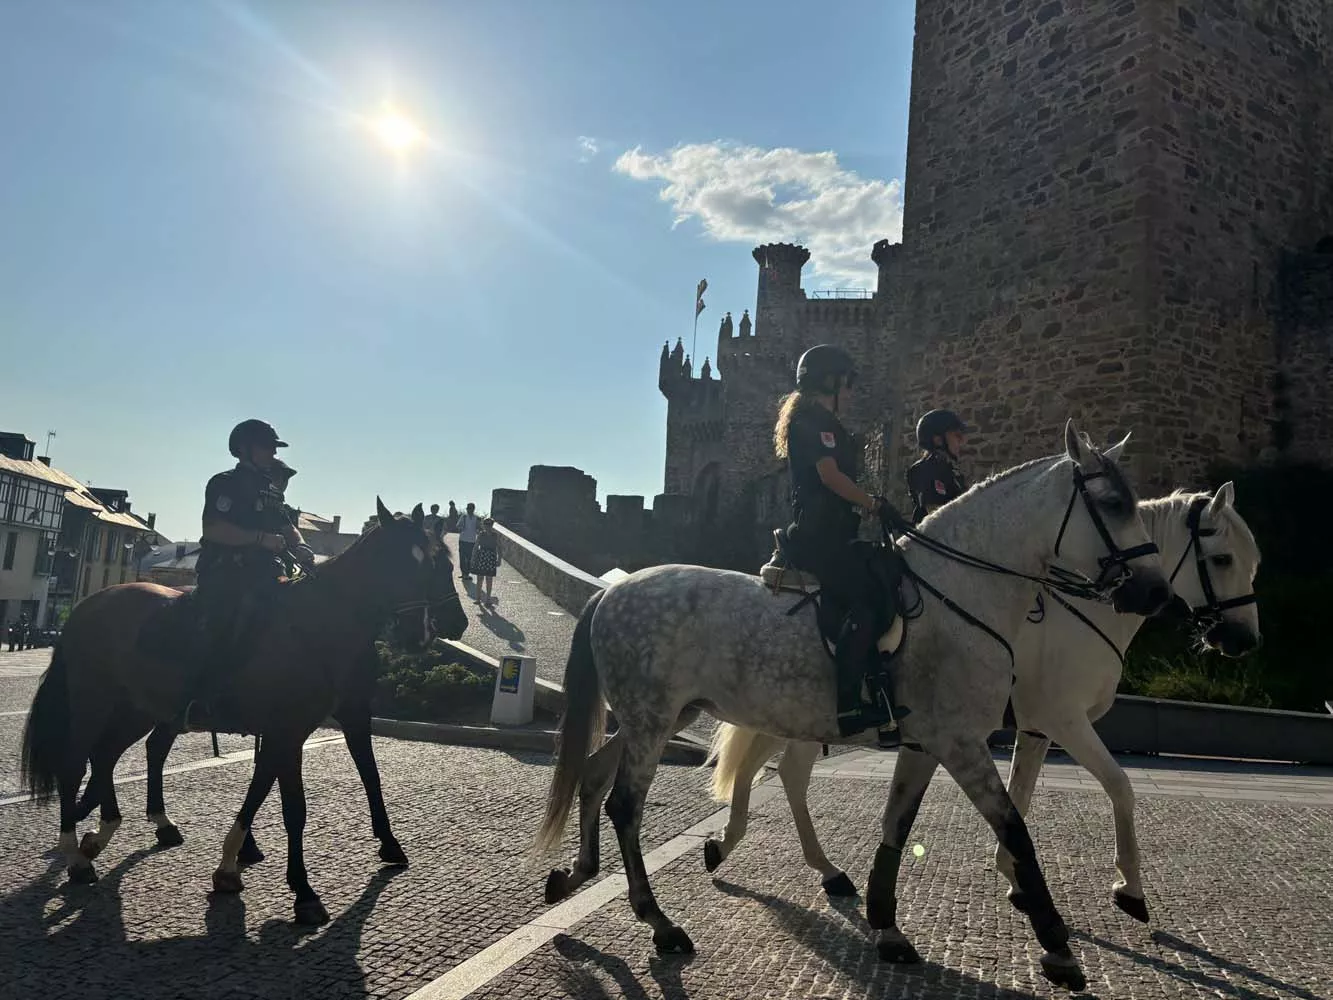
1238, 870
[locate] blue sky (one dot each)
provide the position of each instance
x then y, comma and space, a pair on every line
200, 225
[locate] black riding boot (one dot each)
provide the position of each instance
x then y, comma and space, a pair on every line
856, 641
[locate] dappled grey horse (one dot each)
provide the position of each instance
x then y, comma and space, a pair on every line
1068, 659
669, 642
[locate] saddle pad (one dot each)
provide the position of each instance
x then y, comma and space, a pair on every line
785, 580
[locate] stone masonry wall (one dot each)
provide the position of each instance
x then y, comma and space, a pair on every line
1016, 301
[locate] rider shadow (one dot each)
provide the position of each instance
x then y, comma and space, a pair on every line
1218, 984
38, 944
502, 628
582, 983
854, 958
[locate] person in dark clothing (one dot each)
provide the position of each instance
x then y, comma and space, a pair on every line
935, 478
435, 523
822, 539
451, 518
247, 529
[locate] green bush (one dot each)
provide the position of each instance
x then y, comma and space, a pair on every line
432, 686
1285, 507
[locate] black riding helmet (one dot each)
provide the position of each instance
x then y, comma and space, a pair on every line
937, 423
824, 368
252, 432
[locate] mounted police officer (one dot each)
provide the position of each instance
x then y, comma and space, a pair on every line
247, 531
856, 582
935, 478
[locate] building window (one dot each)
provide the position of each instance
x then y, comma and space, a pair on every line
110, 554
87, 579
106, 577
123, 573
90, 547
11, 543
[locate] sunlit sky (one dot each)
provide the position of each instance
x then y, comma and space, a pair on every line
432, 243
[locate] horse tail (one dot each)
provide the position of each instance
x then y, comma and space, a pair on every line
581, 729
46, 732
736, 751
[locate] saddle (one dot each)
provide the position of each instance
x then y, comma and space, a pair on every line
780, 576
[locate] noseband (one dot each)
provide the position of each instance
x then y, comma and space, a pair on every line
1116, 559
1211, 607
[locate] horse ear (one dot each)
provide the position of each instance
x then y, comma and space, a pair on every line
382, 513
1075, 448
1113, 452
1221, 501
418, 516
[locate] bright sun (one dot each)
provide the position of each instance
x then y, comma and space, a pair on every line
398, 133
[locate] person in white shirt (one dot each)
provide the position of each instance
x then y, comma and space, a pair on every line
468, 526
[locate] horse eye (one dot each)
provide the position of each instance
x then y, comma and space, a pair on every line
1114, 505
1221, 561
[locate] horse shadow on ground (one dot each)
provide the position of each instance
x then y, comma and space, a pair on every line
1218, 985
82, 943
503, 629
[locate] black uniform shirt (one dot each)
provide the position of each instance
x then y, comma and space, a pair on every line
932, 482
814, 434
243, 496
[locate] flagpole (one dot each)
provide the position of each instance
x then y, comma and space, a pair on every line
694, 343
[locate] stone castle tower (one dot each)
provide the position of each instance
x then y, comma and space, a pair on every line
1120, 211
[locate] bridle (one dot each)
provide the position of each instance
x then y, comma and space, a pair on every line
1212, 607
1116, 559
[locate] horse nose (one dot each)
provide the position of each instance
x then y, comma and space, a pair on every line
1158, 596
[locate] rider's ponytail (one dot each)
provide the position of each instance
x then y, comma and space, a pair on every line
790, 404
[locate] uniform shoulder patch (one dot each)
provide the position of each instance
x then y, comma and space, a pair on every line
223, 503
939, 487
828, 439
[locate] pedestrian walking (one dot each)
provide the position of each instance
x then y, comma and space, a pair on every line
485, 561
468, 527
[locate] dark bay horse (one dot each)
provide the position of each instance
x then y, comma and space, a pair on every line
443, 616
103, 692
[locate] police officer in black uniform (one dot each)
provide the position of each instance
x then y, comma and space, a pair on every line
822, 538
247, 530
935, 478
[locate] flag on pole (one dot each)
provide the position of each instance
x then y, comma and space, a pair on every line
699, 296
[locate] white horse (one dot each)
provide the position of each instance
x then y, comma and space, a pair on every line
1069, 656
668, 642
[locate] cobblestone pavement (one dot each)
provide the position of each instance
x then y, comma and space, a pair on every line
1238, 866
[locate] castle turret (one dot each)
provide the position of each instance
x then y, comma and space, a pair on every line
780, 270
884, 254
706, 372
672, 369
746, 325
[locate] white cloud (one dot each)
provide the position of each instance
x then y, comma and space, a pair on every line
745, 194
587, 148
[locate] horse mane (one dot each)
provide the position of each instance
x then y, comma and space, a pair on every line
1175, 504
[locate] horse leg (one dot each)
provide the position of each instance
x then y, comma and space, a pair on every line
638, 764
227, 877
159, 745
1083, 744
598, 773
973, 768
794, 770
125, 731
79, 866
1029, 752
355, 723
753, 757
310, 911
911, 778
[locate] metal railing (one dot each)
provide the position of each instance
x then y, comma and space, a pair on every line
843, 293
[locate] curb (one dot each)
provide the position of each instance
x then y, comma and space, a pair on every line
516, 740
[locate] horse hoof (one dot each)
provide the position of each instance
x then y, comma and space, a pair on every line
557, 885
227, 882
712, 854
82, 874
673, 941
1133, 905
249, 854
392, 853
839, 885
1062, 969
898, 952
311, 913
90, 847
169, 836
1018, 900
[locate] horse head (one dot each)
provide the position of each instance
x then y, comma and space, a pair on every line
1218, 583
1104, 537
403, 558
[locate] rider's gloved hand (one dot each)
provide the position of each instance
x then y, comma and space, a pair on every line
304, 555
272, 542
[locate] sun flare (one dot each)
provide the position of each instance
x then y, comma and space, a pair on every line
397, 132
